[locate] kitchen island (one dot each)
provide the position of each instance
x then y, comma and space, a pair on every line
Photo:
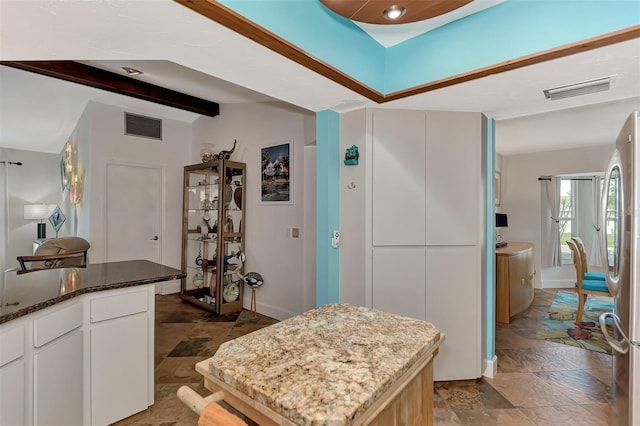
335, 365
77, 344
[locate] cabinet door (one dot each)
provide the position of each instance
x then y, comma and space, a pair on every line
57, 380
119, 369
398, 177
399, 281
453, 305
12, 394
453, 178
520, 282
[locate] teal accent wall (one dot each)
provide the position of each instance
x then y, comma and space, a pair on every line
328, 206
322, 33
490, 290
501, 33
509, 30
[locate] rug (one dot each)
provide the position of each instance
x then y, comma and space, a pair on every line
560, 326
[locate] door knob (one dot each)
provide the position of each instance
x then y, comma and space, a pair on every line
155, 238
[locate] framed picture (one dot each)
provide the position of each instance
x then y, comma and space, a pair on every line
276, 174
56, 219
498, 188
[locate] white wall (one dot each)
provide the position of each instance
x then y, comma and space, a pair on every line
521, 189
278, 258
36, 181
109, 144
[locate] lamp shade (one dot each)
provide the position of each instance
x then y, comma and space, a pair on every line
38, 211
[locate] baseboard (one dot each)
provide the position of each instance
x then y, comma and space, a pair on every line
490, 367
558, 284
269, 310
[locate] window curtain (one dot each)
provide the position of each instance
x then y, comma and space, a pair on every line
595, 258
551, 189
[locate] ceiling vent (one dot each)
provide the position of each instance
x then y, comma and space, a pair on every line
146, 127
581, 88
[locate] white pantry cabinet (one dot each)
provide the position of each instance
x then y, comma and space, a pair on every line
423, 215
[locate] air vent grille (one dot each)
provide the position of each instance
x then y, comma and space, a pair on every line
146, 127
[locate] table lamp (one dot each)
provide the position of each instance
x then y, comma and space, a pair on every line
39, 212
501, 222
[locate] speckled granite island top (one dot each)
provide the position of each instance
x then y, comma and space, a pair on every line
325, 366
27, 293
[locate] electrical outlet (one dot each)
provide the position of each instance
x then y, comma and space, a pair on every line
295, 232
335, 238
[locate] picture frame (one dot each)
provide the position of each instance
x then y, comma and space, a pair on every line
276, 174
57, 219
498, 188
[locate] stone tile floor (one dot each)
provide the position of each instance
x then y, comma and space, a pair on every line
538, 382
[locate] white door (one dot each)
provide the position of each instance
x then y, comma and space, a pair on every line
134, 213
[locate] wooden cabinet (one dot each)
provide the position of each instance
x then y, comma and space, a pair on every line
213, 235
515, 276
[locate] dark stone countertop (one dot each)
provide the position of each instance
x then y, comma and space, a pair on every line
23, 294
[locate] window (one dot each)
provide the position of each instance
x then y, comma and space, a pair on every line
567, 217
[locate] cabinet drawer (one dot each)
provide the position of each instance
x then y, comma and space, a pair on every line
57, 323
11, 345
120, 305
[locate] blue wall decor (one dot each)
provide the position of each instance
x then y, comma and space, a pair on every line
351, 156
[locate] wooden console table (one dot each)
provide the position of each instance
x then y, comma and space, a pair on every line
515, 273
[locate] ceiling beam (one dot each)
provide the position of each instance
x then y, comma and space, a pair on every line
76, 72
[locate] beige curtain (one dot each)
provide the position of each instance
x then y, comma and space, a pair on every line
551, 191
595, 257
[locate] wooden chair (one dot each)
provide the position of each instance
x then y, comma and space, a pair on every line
63, 252
583, 254
583, 286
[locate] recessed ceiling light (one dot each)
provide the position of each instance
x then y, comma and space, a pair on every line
394, 12
131, 71
582, 88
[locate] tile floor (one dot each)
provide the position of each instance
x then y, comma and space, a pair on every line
538, 382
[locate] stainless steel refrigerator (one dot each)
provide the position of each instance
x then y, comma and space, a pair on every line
620, 221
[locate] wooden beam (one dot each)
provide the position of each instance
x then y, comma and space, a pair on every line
76, 72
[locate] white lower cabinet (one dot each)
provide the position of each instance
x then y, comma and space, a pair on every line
12, 393
12, 374
57, 382
121, 354
84, 361
119, 363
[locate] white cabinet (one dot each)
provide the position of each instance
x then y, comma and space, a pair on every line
12, 393
398, 281
12, 375
58, 381
51, 374
424, 210
58, 365
399, 191
121, 355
